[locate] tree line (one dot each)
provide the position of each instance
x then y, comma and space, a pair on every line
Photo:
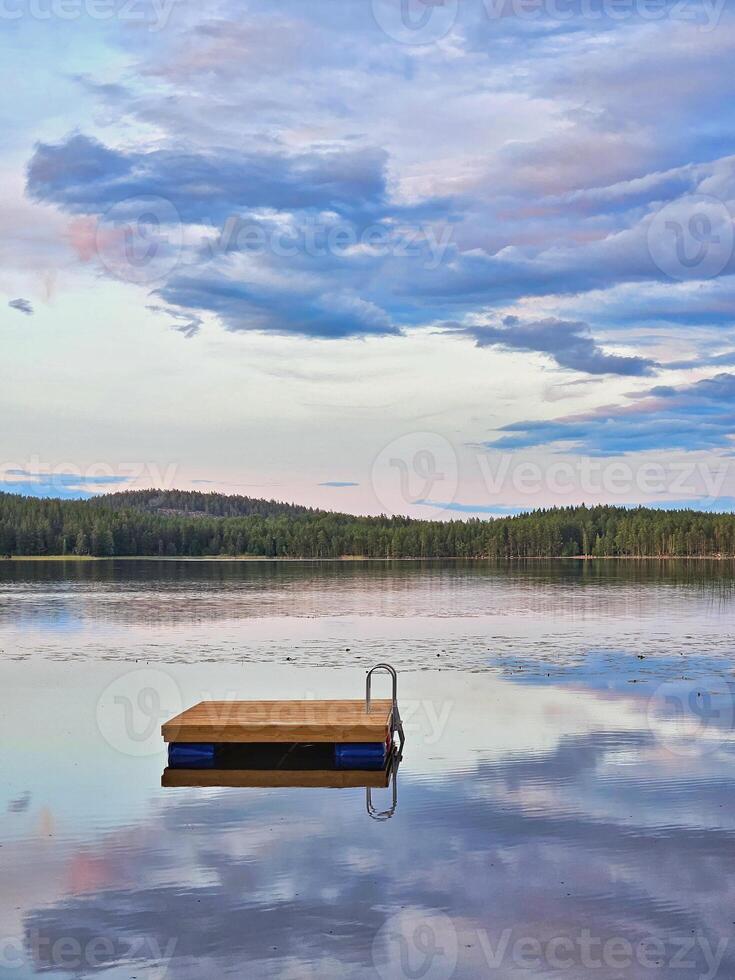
186, 524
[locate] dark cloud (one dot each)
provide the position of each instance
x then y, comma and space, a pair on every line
278, 308
323, 291
22, 305
569, 343
699, 416
84, 176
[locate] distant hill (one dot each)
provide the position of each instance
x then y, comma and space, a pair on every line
192, 503
173, 523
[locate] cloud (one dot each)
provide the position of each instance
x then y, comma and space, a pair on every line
264, 113
726, 359
84, 176
321, 290
494, 510
22, 305
712, 505
33, 488
67, 486
339, 483
699, 416
188, 324
285, 309
569, 343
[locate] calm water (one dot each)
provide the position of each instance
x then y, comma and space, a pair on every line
566, 804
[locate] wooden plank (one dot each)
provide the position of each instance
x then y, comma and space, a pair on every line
276, 778
281, 721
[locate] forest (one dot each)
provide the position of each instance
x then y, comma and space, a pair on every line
156, 523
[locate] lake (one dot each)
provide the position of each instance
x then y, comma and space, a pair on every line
565, 806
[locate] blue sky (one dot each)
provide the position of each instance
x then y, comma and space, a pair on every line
259, 246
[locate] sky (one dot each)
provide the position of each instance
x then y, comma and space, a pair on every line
452, 258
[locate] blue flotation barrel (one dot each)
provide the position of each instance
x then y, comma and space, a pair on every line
361, 755
191, 755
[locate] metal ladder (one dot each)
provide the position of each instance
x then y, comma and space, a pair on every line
397, 755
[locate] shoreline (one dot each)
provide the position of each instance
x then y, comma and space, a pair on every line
345, 559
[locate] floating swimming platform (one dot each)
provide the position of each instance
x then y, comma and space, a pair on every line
258, 778
282, 766
316, 740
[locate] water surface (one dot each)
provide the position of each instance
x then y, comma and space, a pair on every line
466, 615
565, 804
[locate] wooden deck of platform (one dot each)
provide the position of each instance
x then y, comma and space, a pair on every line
221, 722
277, 778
